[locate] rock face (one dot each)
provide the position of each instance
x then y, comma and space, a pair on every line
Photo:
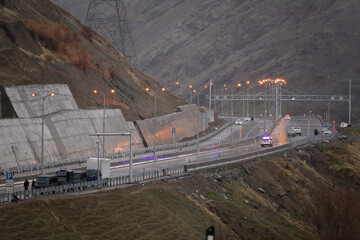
41, 43
312, 44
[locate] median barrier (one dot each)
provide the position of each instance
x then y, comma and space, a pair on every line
237, 158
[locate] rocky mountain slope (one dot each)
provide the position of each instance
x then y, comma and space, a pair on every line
42, 43
312, 44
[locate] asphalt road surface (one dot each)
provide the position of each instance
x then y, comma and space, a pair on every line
209, 150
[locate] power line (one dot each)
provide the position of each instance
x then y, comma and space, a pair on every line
109, 18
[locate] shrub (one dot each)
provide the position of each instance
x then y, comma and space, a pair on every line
62, 41
88, 32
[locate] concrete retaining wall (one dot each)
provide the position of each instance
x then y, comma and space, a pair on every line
67, 129
27, 105
184, 121
66, 135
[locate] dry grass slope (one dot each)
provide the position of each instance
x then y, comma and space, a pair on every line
62, 41
156, 212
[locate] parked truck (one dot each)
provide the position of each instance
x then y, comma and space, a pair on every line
92, 168
65, 176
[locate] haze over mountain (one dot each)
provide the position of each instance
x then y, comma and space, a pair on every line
314, 45
41, 43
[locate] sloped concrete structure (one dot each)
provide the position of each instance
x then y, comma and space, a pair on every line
184, 122
27, 105
67, 128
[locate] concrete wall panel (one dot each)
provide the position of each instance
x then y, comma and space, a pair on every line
26, 105
183, 121
67, 129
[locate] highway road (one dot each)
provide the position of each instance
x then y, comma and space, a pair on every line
212, 152
209, 150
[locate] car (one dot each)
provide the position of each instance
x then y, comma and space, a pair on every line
297, 130
287, 117
266, 141
291, 132
247, 119
46, 181
238, 122
327, 132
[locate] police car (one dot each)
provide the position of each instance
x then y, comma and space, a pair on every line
266, 141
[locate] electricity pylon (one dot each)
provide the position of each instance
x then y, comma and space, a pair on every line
109, 18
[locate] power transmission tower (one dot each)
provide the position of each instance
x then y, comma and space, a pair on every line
109, 18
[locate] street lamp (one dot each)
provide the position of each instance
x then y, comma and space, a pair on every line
247, 96
43, 98
155, 93
190, 86
279, 82
178, 84
104, 95
265, 82
232, 113
197, 123
239, 86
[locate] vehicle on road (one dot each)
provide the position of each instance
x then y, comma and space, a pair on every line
239, 122
287, 117
46, 181
327, 132
291, 132
266, 141
64, 176
247, 119
297, 130
80, 176
92, 168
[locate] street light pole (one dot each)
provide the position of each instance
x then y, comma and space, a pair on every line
222, 101
104, 126
42, 136
210, 95
254, 115
232, 115
155, 94
131, 157
98, 163
104, 104
197, 125
155, 158
43, 98
247, 96
349, 102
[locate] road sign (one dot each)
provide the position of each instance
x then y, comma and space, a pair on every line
324, 125
9, 186
9, 176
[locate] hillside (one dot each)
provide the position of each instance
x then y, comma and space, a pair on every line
42, 43
312, 194
312, 44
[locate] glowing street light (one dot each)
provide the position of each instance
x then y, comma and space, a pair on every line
155, 93
104, 96
43, 98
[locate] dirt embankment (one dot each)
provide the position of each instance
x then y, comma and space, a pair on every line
313, 194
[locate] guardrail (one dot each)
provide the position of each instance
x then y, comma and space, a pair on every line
90, 185
35, 169
149, 175
31, 169
255, 154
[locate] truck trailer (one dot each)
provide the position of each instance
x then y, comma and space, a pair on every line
92, 168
